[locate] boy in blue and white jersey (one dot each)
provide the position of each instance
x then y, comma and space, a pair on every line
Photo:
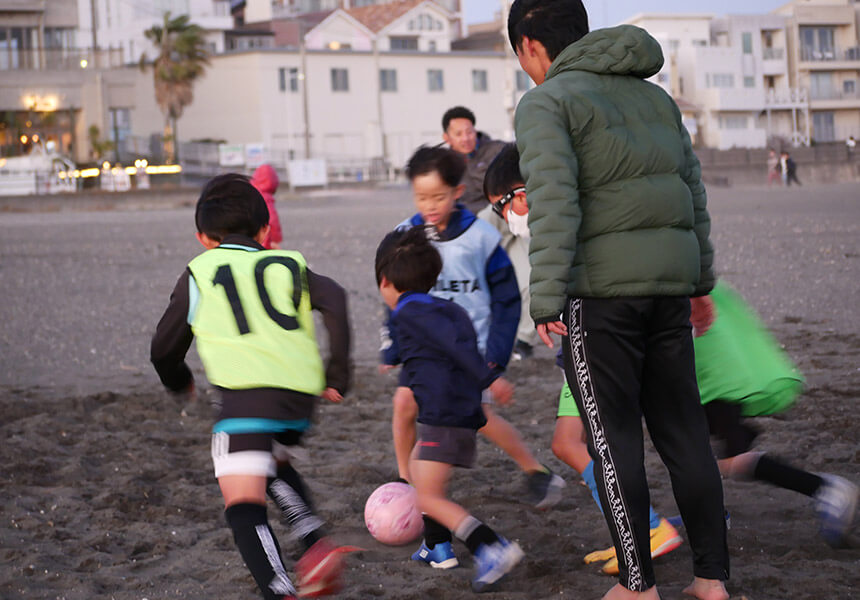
478, 276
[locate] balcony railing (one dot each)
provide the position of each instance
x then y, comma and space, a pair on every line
773, 53
830, 54
59, 59
833, 95
786, 96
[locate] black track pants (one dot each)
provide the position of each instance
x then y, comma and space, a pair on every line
626, 358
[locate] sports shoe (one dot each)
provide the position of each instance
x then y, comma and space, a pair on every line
664, 539
493, 562
522, 350
440, 557
836, 505
544, 488
318, 570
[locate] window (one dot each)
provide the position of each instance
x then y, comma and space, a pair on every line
849, 87
288, 79
425, 22
435, 80
733, 121
479, 80
431, 45
339, 80
719, 80
821, 86
816, 43
823, 129
387, 80
700, 43
523, 81
746, 42
749, 82
674, 45
404, 43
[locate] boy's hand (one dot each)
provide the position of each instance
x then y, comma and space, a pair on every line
502, 391
332, 395
544, 329
702, 314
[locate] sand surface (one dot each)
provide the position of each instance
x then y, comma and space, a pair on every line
106, 480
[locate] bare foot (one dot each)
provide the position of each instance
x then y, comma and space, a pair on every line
707, 589
619, 592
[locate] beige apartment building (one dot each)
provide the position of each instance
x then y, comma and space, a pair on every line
823, 50
785, 78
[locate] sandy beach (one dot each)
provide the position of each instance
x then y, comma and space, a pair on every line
107, 483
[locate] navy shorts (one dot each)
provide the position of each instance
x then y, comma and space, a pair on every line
455, 446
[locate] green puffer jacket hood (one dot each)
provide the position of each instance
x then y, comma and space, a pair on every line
622, 50
616, 202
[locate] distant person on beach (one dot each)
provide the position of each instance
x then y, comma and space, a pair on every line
477, 275
250, 310
615, 274
478, 150
788, 168
265, 179
773, 173
446, 372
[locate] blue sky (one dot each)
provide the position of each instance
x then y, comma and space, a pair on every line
602, 13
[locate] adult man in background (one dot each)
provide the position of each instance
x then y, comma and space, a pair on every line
479, 150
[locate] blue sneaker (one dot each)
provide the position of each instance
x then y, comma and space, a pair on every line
493, 562
440, 557
837, 502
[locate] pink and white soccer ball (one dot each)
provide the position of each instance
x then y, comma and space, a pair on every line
391, 514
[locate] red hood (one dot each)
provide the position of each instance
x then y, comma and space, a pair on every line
265, 179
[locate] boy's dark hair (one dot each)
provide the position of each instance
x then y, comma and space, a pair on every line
408, 260
230, 204
448, 164
554, 23
503, 174
458, 112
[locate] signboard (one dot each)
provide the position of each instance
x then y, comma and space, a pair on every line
304, 173
255, 155
231, 155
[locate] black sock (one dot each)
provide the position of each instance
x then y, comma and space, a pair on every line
474, 534
786, 476
259, 549
435, 532
289, 493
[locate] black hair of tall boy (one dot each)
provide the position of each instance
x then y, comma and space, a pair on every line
503, 174
554, 23
407, 259
448, 164
230, 204
458, 112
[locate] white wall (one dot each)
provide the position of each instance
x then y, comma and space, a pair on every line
239, 101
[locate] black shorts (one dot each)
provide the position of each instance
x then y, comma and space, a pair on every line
455, 446
731, 436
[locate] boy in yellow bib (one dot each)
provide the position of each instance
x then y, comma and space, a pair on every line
250, 309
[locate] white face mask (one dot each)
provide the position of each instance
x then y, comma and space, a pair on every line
518, 224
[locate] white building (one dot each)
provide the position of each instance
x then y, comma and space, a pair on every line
344, 106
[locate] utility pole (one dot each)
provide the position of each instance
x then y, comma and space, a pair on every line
303, 77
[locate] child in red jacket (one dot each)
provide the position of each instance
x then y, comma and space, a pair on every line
266, 181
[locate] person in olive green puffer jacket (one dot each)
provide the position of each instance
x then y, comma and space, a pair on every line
620, 255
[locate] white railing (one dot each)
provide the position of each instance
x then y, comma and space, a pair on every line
773, 53
786, 97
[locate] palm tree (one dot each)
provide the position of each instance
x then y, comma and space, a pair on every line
182, 57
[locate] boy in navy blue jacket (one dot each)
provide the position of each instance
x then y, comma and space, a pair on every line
447, 374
